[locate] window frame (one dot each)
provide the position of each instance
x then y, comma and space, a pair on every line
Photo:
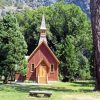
52, 68
32, 67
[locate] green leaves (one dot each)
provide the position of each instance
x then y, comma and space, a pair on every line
23, 68
12, 45
68, 34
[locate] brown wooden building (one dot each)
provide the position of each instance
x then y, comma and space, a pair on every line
42, 63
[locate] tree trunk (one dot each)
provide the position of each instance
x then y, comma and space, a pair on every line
5, 81
95, 19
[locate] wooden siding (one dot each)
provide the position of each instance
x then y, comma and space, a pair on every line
42, 53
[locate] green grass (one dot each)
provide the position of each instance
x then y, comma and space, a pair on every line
80, 90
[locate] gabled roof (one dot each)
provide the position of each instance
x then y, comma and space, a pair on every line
48, 50
46, 62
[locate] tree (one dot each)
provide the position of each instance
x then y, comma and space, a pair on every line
95, 18
12, 46
69, 63
72, 24
64, 22
22, 69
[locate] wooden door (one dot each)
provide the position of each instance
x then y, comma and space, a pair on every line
42, 74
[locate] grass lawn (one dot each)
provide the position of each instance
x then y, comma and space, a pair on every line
80, 90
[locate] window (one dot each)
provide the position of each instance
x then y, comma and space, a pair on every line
52, 67
32, 67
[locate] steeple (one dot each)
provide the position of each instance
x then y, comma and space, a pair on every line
43, 26
43, 31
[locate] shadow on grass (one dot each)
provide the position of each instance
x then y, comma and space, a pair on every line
27, 88
84, 83
48, 88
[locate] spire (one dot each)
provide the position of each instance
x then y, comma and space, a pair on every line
43, 31
43, 26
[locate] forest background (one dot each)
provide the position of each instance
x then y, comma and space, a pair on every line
68, 33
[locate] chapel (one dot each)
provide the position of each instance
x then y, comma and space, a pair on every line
43, 65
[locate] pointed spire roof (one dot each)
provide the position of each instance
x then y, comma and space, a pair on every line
43, 31
43, 25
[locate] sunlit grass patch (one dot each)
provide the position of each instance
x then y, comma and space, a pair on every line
79, 90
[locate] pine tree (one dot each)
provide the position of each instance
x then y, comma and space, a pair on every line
12, 46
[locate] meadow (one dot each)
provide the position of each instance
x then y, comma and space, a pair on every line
79, 90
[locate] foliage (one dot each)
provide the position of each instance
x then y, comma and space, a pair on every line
69, 62
12, 45
69, 36
23, 68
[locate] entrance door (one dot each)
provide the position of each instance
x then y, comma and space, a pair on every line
42, 73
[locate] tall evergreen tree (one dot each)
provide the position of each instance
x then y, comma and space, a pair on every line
95, 16
12, 46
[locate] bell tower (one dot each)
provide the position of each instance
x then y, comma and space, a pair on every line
43, 31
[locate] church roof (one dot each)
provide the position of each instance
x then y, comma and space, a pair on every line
42, 60
48, 50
